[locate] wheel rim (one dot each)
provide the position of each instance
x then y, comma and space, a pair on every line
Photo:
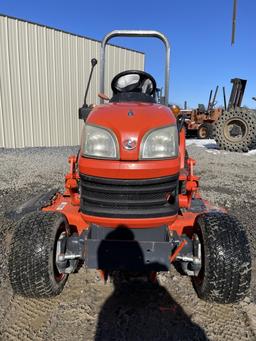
199, 278
58, 274
203, 132
197, 252
235, 130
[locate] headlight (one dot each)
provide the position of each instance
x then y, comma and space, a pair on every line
160, 143
99, 142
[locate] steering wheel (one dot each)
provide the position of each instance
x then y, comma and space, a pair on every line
133, 81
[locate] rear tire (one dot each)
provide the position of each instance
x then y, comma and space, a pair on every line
32, 267
226, 261
205, 131
235, 130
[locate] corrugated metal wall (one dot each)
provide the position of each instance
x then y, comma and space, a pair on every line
43, 76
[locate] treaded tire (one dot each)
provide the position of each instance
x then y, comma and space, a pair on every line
208, 128
32, 269
226, 271
248, 142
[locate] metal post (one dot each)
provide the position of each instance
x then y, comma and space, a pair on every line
224, 98
234, 23
209, 101
214, 97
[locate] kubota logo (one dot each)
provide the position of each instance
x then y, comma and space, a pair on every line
129, 144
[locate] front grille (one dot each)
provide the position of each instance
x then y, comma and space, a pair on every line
118, 198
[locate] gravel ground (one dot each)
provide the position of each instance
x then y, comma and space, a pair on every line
87, 309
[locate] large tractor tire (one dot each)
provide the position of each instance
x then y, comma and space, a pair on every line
32, 260
235, 130
205, 131
226, 261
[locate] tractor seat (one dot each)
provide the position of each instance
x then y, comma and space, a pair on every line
132, 97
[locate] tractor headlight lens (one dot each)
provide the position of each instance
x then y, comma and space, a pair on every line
160, 143
98, 142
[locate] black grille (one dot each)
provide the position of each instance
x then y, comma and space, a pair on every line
119, 198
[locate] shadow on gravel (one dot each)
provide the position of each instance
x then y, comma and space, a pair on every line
211, 146
139, 309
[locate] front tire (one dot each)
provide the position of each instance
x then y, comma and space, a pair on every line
226, 265
32, 266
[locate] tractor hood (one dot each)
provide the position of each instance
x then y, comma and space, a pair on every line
131, 121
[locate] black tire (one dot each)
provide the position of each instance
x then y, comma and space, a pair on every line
242, 119
226, 261
205, 131
32, 268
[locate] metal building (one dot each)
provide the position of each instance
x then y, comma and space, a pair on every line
43, 75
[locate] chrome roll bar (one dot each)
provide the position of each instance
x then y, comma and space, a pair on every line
136, 33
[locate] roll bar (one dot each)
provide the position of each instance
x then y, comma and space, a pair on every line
136, 33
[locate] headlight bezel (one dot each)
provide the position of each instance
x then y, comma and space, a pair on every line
111, 133
145, 137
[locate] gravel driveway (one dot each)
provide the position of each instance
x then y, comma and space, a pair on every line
88, 309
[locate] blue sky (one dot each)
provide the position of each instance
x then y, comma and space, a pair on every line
199, 32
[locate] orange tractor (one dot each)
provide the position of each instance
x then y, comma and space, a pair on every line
131, 202
200, 121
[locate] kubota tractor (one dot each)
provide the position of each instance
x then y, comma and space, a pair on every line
131, 202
